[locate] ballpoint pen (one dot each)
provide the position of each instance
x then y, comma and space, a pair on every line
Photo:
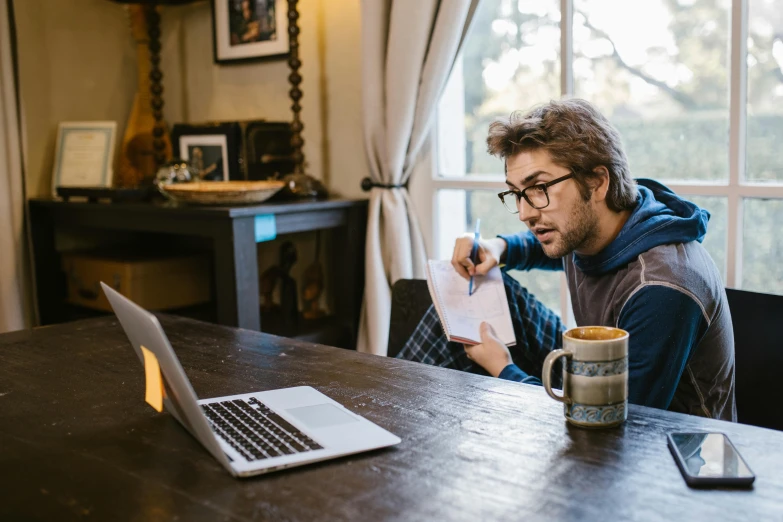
474, 253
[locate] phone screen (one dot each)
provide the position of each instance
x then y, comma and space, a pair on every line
710, 455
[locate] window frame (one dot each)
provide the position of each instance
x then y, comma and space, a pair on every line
426, 184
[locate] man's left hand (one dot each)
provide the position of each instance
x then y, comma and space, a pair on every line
491, 354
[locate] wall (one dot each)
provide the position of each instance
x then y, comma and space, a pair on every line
347, 163
250, 91
77, 62
74, 65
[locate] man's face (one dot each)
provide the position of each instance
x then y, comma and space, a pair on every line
568, 223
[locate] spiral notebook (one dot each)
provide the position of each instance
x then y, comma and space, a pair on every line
462, 314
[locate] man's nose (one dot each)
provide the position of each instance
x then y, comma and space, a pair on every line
526, 212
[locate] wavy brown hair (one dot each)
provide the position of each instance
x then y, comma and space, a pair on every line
577, 137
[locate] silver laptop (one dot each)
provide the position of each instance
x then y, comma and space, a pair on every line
251, 433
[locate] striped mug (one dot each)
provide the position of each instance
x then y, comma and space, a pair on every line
595, 376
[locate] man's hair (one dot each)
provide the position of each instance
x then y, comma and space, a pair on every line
577, 137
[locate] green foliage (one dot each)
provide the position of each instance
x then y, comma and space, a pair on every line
764, 156
763, 242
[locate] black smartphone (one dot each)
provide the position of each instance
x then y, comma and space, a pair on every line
709, 459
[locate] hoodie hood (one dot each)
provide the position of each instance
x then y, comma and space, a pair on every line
660, 218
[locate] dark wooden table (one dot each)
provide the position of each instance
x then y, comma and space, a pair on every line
77, 441
232, 232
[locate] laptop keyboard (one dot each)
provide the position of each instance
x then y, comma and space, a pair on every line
255, 431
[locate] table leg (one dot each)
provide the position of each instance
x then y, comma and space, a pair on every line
347, 262
50, 285
236, 275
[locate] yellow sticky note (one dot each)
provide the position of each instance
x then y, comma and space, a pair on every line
155, 390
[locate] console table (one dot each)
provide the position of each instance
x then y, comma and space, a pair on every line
232, 232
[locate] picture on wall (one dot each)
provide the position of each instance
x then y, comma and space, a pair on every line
245, 30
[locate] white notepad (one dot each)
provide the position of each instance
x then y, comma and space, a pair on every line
461, 314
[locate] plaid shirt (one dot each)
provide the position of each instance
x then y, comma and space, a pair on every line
538, 331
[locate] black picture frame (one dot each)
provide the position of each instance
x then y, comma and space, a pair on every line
184, 134
271, 31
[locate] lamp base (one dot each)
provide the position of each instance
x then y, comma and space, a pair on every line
300, 186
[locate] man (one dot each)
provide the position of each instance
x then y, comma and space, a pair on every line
246, 27
633, 259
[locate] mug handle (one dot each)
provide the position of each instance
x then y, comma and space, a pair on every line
546, 374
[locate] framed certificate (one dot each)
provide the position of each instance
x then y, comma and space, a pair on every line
84, 154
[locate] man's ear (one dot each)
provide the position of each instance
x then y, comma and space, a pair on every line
599, 184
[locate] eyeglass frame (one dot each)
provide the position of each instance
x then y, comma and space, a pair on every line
520, 194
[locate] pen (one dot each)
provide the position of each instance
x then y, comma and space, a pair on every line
473, 254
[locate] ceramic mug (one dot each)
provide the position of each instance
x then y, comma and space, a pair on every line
595, 376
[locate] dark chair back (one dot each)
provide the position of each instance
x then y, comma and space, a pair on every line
410, 299
758, 347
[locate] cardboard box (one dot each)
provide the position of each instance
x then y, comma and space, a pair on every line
155, 283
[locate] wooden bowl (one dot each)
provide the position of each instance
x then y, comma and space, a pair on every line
223, 192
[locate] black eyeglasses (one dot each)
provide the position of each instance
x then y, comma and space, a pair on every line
535, 195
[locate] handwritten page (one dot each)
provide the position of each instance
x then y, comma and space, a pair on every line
461, 314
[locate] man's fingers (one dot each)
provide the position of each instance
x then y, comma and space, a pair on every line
487, 260
487, 333
460, 259
463, 267
469, 349
485, 266
462, 262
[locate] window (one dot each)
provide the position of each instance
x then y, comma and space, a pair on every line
695, 88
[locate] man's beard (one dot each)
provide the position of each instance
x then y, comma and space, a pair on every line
582, 231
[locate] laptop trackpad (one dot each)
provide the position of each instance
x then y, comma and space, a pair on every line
321, 415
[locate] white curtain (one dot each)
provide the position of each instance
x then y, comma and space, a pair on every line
409, 47
12, 312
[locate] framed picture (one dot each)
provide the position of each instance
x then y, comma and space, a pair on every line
245, 30
83, 154
207, 154
212, 148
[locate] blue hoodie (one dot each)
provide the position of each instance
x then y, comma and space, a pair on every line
656, 281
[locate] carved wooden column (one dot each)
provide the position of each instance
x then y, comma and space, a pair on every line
296, 94
156, 85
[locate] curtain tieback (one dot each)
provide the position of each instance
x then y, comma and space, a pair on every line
368, 184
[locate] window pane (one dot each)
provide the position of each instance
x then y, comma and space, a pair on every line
716, 239
765, 90
458, 210
510, 61
762, 247
659, 71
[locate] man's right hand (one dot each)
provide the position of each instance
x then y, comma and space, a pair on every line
490, 253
